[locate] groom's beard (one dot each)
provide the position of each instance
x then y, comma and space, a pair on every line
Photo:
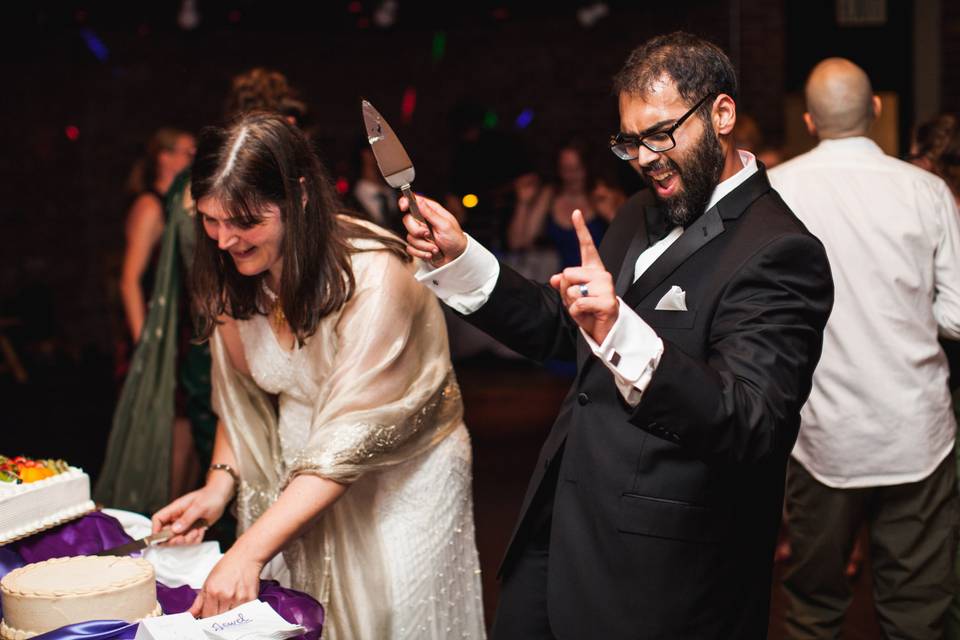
699, 171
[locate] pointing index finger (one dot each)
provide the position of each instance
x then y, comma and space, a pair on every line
588, 251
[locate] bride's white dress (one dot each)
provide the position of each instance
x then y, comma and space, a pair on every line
422, 507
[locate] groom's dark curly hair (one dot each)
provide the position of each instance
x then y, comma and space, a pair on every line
696, 67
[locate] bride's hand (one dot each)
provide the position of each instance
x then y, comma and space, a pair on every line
233, 581
207, 503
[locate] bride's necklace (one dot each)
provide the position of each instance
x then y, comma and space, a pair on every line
276, 315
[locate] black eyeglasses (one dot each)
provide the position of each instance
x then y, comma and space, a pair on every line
627, 147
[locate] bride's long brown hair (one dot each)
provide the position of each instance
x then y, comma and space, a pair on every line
262, 160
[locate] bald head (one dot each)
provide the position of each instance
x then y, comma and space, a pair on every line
840, 99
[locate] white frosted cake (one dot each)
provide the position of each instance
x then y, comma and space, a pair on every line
33, 506
47, 595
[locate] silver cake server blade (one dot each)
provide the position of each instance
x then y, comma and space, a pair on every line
392, 158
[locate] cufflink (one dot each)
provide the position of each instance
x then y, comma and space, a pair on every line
436, 283
615, 359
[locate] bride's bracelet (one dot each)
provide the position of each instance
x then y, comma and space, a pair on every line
219, 466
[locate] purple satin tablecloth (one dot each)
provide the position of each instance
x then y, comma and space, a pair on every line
95, 532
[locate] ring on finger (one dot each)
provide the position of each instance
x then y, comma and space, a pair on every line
584, 292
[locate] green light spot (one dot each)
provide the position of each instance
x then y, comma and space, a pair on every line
439, 45
490, 119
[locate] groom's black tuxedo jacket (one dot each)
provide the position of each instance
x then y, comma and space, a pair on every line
665, 515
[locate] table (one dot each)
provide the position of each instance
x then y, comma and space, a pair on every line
96, 531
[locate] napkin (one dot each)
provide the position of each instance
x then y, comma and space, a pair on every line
134, 524
178, 626
180, 565
254, 619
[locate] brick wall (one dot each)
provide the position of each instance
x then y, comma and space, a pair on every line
763, 59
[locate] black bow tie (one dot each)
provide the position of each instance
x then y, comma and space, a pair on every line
658, 226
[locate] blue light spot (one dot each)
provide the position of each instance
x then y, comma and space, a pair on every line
524, 119
95, 44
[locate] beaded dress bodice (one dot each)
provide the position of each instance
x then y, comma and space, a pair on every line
281, 372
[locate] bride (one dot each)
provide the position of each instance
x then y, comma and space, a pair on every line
341, 431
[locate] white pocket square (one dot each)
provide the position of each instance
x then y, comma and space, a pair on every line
673, 300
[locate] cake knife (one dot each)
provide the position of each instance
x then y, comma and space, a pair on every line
392, 158
153, 539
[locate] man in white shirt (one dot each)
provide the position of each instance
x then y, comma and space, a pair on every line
877, 432
655, 504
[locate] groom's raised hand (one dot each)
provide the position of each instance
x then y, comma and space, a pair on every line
442, 242
588, 290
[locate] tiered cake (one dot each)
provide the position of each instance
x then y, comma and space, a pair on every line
47, 595
38, 494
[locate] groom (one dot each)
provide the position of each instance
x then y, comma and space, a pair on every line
696, 326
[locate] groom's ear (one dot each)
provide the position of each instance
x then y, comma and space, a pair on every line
724, 114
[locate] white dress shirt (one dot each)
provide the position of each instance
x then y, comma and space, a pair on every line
631, 350
879, 412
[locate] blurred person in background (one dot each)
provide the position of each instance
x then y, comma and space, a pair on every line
169, 151
376, 199
750, 137
936, 148
607, 196
261, 89
543, 211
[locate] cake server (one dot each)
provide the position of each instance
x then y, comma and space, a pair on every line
154, 538
392, 158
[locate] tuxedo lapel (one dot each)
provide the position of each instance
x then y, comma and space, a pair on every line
638, 243
706, 228
737, 201
626, 236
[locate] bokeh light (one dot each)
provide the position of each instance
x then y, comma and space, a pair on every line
524, 119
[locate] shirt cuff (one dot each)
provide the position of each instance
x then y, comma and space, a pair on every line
464, 284
631, 351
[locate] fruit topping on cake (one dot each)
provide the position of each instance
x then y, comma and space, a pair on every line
20, 469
